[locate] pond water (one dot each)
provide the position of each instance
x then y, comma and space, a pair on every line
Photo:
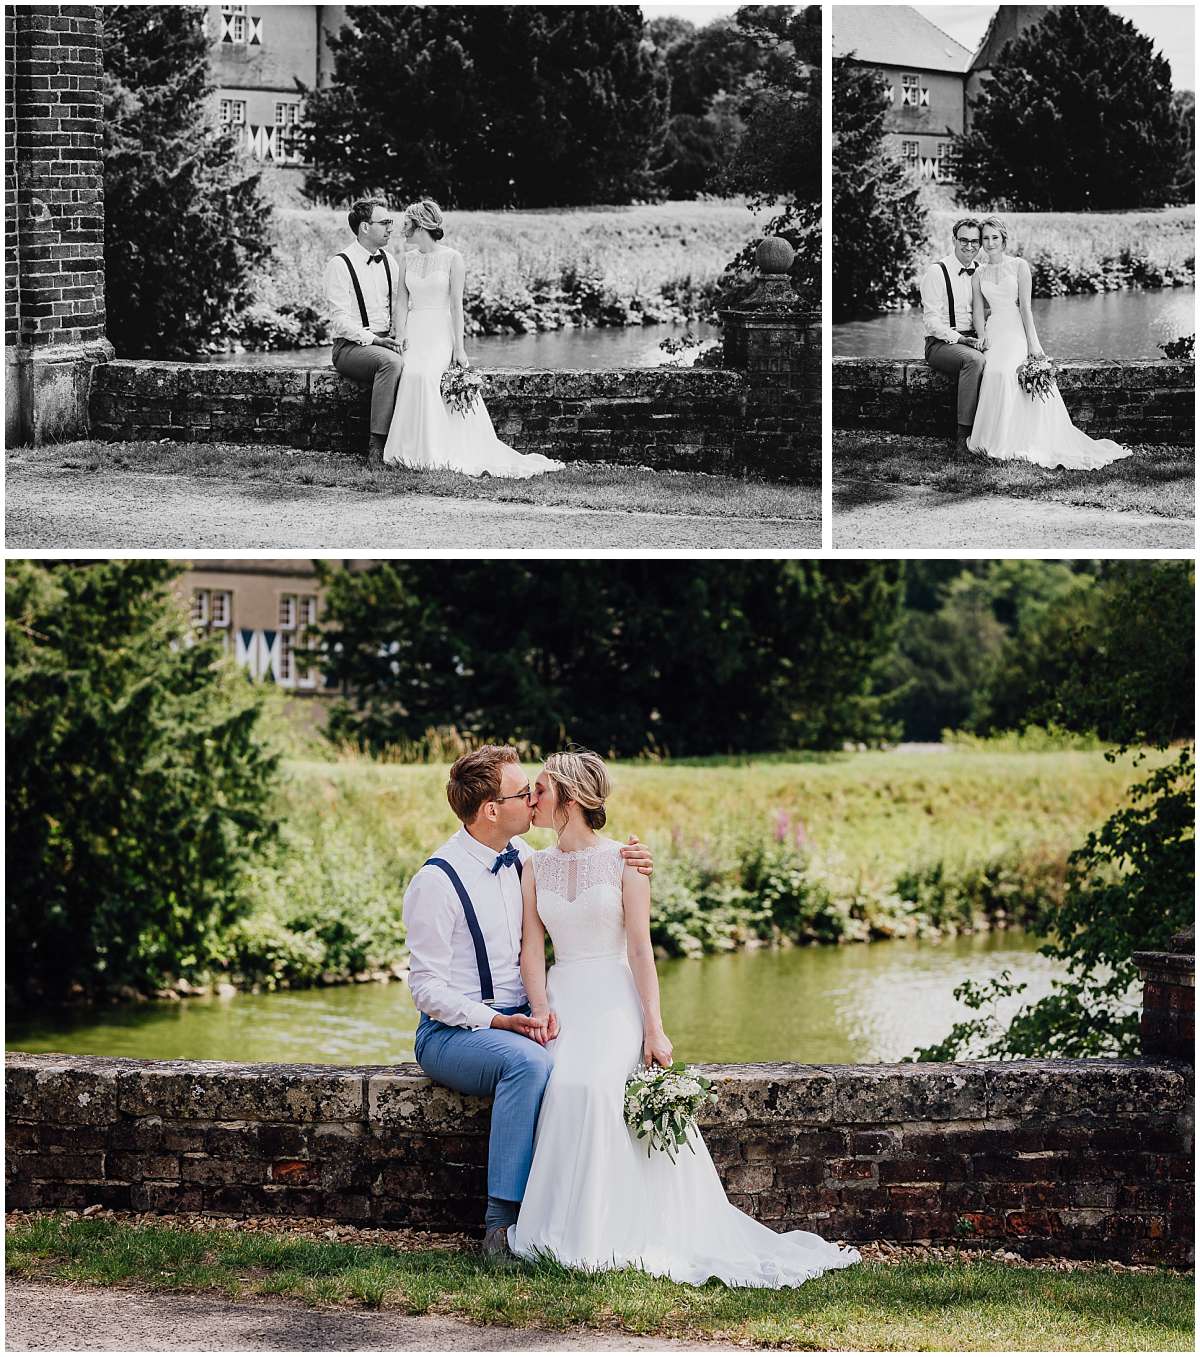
588, 348
858, 1003
1107, 325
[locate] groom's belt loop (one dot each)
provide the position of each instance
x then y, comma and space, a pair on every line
486, 991
362, 305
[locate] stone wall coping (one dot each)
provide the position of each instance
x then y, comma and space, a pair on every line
98, 1088
1183, 373
1180, 965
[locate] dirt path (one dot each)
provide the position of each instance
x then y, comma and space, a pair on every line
42, 1317
135, 510
888, 516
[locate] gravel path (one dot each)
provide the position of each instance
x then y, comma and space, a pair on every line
41, 1317
899, 517
124, 510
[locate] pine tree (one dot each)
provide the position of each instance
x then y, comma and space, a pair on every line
184, 225
500, 106
1077, 116
137, 784
879, 222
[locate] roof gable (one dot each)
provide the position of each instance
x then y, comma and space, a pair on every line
896, 35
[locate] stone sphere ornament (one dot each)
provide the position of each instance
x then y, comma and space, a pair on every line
774, 255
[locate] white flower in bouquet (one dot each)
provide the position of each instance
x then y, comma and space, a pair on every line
661, 1105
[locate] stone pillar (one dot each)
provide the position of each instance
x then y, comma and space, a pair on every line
54, 220
1169, 998
776, 342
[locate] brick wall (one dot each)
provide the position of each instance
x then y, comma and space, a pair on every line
1089, 1158
665, 417
53, 131
1135, 401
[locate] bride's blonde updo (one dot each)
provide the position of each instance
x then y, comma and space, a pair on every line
579, 775
427, 216
998, 225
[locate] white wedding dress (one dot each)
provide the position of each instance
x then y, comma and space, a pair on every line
594, 1198
424, 433
1010, 423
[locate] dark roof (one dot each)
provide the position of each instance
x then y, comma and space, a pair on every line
896, 35
1007, 22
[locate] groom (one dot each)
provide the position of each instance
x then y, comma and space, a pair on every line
951, 344
360, 288
462, 913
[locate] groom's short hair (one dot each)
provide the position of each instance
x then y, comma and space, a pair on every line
361, 211
973, 222
475, 778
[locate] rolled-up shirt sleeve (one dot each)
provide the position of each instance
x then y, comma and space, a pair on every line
431, 912
934, 308
345, 320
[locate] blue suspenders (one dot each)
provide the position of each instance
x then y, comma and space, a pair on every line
486, 989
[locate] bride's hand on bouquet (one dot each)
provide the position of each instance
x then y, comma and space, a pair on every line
657, 1050
460, 359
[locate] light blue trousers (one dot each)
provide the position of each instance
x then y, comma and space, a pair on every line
509, 1067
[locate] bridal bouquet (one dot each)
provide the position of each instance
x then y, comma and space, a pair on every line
1038, 377
661, 1105
461, 388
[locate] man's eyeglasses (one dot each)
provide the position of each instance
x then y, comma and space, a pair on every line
522, 795
382, 221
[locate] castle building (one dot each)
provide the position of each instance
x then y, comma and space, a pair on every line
258, 54
932, 78
262, 612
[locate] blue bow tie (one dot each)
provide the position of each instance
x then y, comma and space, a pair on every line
509, 858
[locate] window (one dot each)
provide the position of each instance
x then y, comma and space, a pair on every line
212, 613
910, 152
287, 120
297, 624
233, 24
945, 164
912, 93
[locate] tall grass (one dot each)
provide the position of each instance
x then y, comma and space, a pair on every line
1079, 252
837, 850
527, 270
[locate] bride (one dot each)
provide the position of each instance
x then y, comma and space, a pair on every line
429, 315
594, 1198
1010, 423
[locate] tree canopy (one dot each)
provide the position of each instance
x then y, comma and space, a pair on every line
184, 224
137, 786
489, 106
1078, 115
684, 658
879, 222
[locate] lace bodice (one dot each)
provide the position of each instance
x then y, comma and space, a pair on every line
998, 283
579, 901
427, 278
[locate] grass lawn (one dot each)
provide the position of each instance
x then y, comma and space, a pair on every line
1157, 479
907, 1305
601, 487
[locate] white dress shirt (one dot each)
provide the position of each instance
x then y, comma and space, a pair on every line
935, 307
345, 317
443, 972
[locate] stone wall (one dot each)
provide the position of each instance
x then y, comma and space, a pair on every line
1132, 401
1082, 1158
678, 418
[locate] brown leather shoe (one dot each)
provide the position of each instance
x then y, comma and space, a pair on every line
375, 450
495, 1248
960, 443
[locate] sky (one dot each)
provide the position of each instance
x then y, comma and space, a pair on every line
698, 14
1172, 28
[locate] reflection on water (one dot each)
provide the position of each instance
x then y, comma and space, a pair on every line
859, 1003
589, 349
1108, 325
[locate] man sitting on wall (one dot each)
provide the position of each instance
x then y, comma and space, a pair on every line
360, 293
951, 344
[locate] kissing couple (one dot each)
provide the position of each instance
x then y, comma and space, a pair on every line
397, 327
566, 1177
977, 308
